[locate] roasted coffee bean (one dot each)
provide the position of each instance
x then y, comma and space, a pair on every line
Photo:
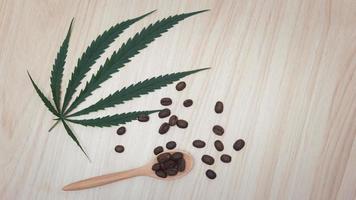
171, 145
188, 103
143, 118
182, 123
170, 164
166, 101
219, 107
210, 174
119, 148
161, 173
239, 144
198, 143
158, 150
177, 155
164, 113
164, 128
180, 86
173, 120
225, 158
207, 159
121, 130
219, 145
156, 167
218, 130
181, 165
172, 171
163, 157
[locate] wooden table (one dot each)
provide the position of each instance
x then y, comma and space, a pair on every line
285, 70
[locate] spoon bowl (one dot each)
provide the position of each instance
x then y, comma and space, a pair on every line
145, 170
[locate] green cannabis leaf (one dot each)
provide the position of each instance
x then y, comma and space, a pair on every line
112, 65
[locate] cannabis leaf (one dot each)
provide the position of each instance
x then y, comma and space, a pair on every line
112, 65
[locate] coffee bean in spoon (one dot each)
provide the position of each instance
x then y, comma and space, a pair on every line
218, 130
219, 107
182, 123
166, 101
207, 159
219, 145
188, 103
119, 148
172, 171
198, 143
164, 113
181, 165
173, 120
143, 118
180, 86
158, 150
121, 130
156, 167
161, 173
177, 155
225, 158
164, 128
171, 145
239, 144
161, 158
210, 174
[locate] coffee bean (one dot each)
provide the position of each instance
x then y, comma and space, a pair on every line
188, 103
121, 130
169, 164
156, 167
210, 174
198, 143
164, 128
172, 171
225, 158
180, 86
182, 123
181, 165
163, 157
166, 101
143, 118
218, 130
177, 155
158, 150
119, 148
219, 107
239, 144
219, 145
207, 159
161, 173
164, 113
173, 120
171, 145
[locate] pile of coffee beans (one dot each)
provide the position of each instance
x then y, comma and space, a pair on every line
169, 164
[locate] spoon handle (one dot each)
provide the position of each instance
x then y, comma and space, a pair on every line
104, 179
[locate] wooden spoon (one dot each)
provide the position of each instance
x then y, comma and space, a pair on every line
145, 170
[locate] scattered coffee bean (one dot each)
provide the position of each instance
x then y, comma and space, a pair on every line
188, 103
225, 158
173, 120
181, 165
239, 144
182, 123
219, 145
207, 159
119, 148
180, 86
164, 113
171, 145
143, 118
161, 173
156, 166
163, 157
198, 143
218, 130
166, 101
219, 107
158, 150
121, 130
177, 155
210, 174
164, 128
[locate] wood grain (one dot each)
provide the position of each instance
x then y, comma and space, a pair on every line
285, 70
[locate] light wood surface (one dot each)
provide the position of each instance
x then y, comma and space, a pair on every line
285, 70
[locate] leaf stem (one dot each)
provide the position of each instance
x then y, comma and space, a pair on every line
54, 125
